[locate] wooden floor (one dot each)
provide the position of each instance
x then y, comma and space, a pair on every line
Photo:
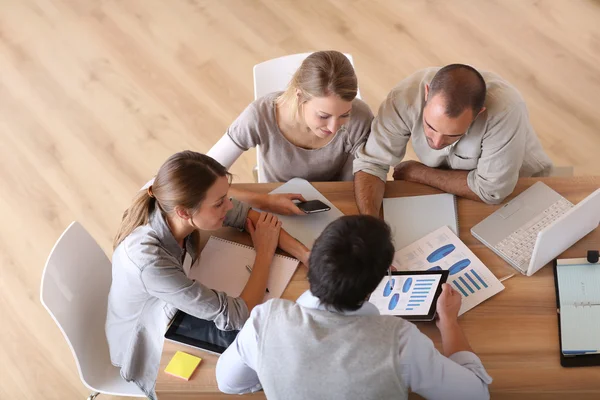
95, 95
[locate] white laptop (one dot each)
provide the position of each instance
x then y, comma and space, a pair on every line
536, 226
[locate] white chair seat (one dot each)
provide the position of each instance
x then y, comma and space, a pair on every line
75, 285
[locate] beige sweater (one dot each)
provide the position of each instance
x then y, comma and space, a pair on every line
499, 147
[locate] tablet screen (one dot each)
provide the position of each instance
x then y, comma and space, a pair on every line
199, 333
409, 294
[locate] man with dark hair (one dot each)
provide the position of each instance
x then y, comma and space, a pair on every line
470, 131
333, 344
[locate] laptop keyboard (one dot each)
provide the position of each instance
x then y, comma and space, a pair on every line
518, 246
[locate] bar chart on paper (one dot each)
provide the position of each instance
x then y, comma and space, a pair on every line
443, 250
405, 295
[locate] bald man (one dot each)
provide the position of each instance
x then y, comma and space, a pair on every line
470, 131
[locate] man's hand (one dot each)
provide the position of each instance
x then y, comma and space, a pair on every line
406, 169
448, 305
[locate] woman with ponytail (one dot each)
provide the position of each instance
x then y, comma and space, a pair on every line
159, 230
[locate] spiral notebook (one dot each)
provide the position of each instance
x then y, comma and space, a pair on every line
223, 266
578, 305
412, 218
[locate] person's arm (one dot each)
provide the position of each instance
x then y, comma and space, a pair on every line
448, 306
281, 203
368, 193
236, 367
241, 135
357, 133
450, 181
225, 151
502, 154
456, 375
165, 279
385, 147
287, 242
236, 218
497, 172
265, 234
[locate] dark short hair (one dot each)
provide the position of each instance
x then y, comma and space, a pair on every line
348, 260
462, 86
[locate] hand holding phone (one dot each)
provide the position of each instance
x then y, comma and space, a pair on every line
313, 206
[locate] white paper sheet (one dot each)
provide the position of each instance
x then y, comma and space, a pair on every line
442, 249
306, 228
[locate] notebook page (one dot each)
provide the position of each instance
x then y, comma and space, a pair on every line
579, 288
222, 267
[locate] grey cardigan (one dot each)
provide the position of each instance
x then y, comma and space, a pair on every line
148, 285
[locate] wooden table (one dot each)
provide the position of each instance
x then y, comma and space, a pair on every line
514, 333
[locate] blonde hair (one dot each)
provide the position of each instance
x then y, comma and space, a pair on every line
182, 180
321, 74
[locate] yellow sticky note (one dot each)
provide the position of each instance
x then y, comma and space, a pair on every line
182, 365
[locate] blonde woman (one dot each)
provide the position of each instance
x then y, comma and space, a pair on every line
310, 131
158, 231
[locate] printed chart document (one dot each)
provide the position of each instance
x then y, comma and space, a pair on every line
443, 250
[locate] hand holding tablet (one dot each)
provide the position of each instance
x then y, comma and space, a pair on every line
411, 295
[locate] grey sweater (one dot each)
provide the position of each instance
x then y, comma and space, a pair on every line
281, 160
311, 353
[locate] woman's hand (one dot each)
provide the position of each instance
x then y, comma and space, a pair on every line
283, 203
265, 235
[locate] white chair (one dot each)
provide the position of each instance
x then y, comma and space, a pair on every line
273, 76
75, 285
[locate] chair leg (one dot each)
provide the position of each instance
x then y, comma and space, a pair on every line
93, 396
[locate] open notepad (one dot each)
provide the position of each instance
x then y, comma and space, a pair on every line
578, 284
223, 266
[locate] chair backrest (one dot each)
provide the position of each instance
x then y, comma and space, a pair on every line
75, 285
273, 76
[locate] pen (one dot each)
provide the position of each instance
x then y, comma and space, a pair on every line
249, 268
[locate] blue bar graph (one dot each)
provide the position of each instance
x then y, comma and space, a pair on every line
425, 280
466, 284
416, 300
420, 292
460, 288
409, 309
418, 297
412, 305
472, 281
479, 278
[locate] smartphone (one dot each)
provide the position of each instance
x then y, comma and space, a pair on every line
313, 206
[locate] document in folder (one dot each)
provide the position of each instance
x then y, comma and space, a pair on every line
578, 284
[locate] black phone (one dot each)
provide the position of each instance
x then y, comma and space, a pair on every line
313, 206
